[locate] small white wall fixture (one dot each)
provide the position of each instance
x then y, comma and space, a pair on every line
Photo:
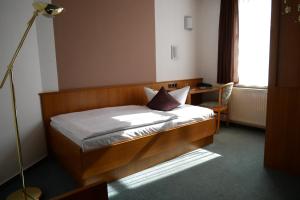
188, 23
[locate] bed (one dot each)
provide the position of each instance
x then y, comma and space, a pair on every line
92, 156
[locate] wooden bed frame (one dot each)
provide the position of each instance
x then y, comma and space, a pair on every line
125, 158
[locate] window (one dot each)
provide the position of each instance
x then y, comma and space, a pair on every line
254, 42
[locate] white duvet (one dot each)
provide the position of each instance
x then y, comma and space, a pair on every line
92, 123
99, 128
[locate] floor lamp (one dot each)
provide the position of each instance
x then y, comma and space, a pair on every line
39, 8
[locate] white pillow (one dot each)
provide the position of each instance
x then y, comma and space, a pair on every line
180, 95
150, 93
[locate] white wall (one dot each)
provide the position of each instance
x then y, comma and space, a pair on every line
14, 15
197, 50
169, 25
207, 39
47, 56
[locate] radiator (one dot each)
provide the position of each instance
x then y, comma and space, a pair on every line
249, 106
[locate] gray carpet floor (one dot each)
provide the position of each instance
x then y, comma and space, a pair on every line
237, 174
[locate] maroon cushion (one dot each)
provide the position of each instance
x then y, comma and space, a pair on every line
163, 101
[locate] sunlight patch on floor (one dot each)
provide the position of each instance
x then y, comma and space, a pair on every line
162, 170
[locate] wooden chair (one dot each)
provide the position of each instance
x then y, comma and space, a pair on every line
221, 106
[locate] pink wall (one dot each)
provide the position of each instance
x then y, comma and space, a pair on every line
105, 42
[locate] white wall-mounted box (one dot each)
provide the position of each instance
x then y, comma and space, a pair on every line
188, 23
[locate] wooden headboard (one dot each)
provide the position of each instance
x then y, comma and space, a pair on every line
66, 101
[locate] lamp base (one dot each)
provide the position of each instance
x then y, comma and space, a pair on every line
31, 193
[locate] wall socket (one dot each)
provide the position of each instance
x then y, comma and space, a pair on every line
172, 85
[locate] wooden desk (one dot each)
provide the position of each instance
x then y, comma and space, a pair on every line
200, 91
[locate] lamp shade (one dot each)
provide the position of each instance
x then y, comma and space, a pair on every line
48, 9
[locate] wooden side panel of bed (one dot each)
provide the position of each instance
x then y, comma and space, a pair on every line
122, 159
125, 158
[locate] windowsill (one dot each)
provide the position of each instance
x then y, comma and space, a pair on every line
252, 87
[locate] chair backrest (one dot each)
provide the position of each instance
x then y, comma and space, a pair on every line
226, 92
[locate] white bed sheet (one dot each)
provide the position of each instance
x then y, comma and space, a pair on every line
184, 115
92, 123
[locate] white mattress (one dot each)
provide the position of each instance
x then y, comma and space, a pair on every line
90, 136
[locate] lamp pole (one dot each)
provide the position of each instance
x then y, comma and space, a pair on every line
25, 192
9, 73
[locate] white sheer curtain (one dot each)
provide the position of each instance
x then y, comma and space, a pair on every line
254, 42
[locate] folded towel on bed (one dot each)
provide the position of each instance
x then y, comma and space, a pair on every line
93, 123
